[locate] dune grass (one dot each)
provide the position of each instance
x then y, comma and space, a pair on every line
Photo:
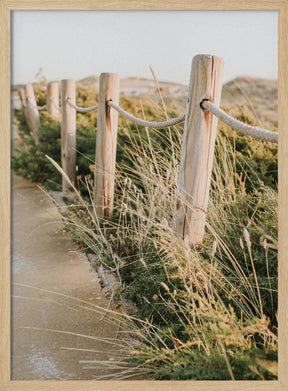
207, 312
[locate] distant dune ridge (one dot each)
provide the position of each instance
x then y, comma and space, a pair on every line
258, 95
135, 86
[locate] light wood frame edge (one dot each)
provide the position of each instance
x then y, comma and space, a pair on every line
6, 7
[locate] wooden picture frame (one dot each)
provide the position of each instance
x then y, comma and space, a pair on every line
12, 5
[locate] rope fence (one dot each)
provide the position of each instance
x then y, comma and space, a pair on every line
39, 108
241, 127
197, 145
151, 124
205, 104
82, 109
54, 104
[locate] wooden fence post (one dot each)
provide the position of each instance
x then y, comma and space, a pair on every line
23, 103
53, 95
33, 121
198, 148
106, 143
68, 132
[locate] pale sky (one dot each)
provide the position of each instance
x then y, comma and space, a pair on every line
76, 44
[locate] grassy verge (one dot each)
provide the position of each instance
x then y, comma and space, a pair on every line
207, 312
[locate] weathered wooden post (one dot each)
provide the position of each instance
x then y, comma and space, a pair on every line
198, 148
106, 143
22, 97
53, 97
68, 132
33, 121
23, 103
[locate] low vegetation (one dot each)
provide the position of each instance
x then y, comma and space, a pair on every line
207, 312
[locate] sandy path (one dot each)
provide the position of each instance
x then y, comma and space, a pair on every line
43, 256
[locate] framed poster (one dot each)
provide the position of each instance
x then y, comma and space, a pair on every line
197, 313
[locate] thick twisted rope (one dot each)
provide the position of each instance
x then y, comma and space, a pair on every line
253, 131
55, 105
82, 109
35, 106
156, 125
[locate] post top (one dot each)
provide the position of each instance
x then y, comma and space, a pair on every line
67, 81
207, 57
108, 75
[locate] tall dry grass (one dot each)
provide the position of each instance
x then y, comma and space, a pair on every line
205, 312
